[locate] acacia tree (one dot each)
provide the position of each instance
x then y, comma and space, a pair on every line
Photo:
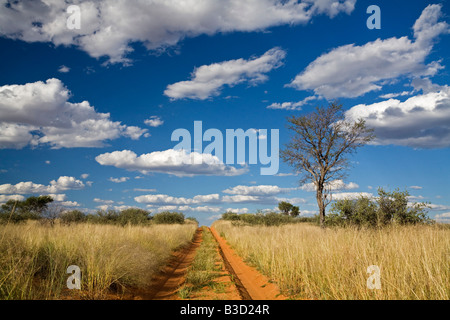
285, 207
288, 209
320, 147
30, 208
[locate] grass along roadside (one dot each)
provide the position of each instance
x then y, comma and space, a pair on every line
34, 258
307, 262
206, 278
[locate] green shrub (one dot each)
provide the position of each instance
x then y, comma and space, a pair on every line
133, 216
167, 217
72, 216
275, 219
251, 218
104, 217
388, 208
231, 216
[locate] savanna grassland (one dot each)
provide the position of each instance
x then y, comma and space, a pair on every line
309, 262
34, 257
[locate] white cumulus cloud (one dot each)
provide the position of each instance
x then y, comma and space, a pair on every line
63, 69
118, 180
154, 121
443, 217
108, 27
208, 80
5, 198
332, 185
350, 195
422, 121
39, 113
261, 190
103, 201
352, 71
161, 199
61, 184
175, 162
292, 105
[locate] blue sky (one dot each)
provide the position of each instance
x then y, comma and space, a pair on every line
87, 114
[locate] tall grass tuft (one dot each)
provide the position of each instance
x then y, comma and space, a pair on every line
310, 263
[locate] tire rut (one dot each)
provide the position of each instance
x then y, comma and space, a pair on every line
251, 283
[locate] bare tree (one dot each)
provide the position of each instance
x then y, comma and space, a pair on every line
319, 148
51, 213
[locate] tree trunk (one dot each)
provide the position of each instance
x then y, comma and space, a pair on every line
321, 205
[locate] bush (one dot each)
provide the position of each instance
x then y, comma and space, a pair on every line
275, 219
72, 216
193, 220
104, 217
230, 216
251, 218
388, 208
167, 217
133, 216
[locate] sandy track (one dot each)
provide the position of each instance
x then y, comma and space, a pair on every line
252, 284
166, 283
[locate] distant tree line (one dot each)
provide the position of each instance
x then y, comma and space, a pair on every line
265, 219
42, 209
388, 208
288, 214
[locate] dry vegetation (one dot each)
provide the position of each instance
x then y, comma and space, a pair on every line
310, 263
34, 257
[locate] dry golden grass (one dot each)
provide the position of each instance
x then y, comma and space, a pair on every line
34, 258
310, 263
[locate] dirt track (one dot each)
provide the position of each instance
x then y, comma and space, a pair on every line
252, 284
249, 282
167, 282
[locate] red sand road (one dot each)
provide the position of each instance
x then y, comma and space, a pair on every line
168, 281
257, 285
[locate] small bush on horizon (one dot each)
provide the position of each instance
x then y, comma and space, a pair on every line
193, 219
72, 216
